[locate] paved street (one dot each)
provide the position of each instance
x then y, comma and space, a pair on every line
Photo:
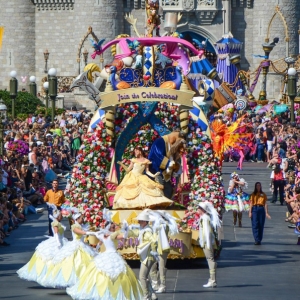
245, 271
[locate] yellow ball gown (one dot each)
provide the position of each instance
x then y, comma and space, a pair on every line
137, 191
38, 265
107, 277
69, 263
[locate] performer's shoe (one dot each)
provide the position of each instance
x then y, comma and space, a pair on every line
210, 284
153, 296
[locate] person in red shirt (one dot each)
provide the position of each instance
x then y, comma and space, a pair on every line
278, 182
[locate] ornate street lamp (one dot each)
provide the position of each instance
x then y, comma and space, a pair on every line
292, 90
3, 111
46, 57
46, 88
267, 47
85, 54
52, 90
32, 85
13, 86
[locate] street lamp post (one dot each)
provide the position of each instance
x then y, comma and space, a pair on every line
46, 57
3, 110
32, 85
85, 54
52, 90
13, 86
46, 88
292, 90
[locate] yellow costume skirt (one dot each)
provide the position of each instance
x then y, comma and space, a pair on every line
139, 191
68, 265
108, 277
38, 265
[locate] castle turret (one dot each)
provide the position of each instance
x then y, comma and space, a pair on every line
18, 48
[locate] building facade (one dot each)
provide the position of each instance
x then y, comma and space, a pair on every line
61, 27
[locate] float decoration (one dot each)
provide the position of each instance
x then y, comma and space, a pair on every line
148, 94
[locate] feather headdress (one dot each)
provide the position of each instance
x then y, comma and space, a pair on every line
173, 227
213, 214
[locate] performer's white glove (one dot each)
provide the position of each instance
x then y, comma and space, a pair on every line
155, 255
59, 244
125, 229
134, 226
90, 233
171, 164
156, 174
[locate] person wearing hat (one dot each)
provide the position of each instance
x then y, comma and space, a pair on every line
146, 250
163, 226
35, 269
70, 263
209, 223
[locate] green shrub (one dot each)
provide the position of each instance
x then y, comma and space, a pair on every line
25, 103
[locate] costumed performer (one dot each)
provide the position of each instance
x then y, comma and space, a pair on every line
161, 162
147, 251
209, 223
237, 200
107, 276
37, 267
71, 261
163, 225
136, 189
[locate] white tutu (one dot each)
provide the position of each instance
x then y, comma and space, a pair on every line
36, 268
67, 265
107, 277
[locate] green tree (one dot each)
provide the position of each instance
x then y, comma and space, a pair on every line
25, 102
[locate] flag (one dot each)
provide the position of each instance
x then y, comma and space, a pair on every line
1, 35
97, 117
199, 117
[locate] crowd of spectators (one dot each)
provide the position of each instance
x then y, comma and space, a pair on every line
48, 152
276, 141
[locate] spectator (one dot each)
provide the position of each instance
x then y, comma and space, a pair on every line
56, 197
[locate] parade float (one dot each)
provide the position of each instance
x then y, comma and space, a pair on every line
152, 86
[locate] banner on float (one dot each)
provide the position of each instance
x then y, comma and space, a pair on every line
184, 98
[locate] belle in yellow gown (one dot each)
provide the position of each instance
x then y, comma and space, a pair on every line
137, 190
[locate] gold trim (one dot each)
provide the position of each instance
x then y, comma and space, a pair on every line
281, 16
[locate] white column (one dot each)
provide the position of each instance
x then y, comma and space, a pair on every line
227, 16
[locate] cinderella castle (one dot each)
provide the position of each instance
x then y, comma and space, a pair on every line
41, 34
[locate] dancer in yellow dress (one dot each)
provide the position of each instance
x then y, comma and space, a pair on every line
138, 190
71, 261
37, 267
107, 276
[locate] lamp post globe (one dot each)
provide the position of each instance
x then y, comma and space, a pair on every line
13, 74
46, 88
292, 71
52, 72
